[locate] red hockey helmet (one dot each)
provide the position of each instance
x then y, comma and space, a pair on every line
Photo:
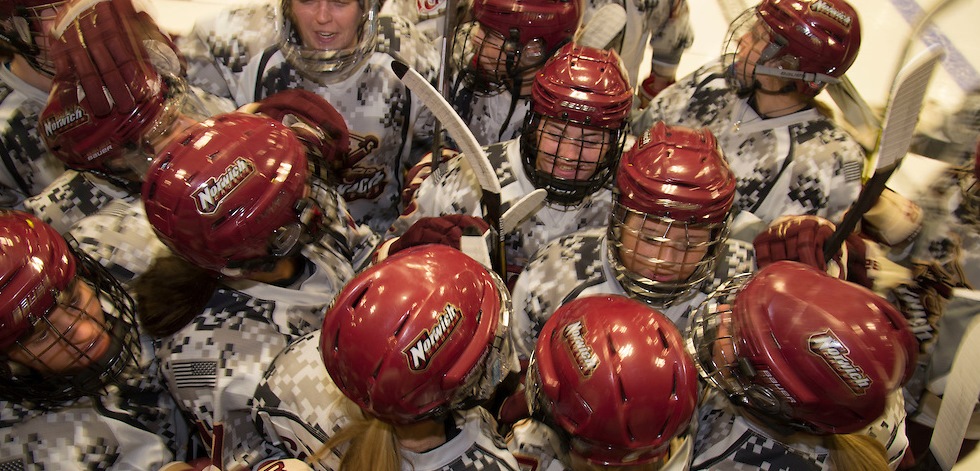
586, 88
419, 334
118, 145
802, 348
229, 194
816, 41
552, 22
35, 267
674, 193
613, 375
517, 35
66, 327
25, 26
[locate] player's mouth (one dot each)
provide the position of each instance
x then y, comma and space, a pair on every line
326, 40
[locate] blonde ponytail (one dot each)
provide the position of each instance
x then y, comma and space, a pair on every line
856, 452
371, 445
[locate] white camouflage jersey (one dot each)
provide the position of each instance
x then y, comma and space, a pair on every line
801, 163
454, 189
26, 166
727, 441
490, 117
135, 426
538, 448
663, 24
214, 363
299, 407
235, 53
578, 265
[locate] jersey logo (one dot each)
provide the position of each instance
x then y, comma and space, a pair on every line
361, 181
216, 189
428, 6
827, 346
829, 10
427, 344
585, 357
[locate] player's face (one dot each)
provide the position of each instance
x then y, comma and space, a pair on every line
73, 336
750, 47
489, 47
327, 25
661, 251
570, 152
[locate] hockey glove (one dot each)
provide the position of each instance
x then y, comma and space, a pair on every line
104, 49
651, 87
468, 234
317, 123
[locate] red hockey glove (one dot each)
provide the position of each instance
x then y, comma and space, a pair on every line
107, 99
315, 121
796, 238
651, 87
102, 48
446, 230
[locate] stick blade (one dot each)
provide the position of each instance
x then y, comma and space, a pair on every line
606, 23
902, 113
522, 209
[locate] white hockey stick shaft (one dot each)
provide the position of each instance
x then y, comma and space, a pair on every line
522, 209
901, 116
473, 152
606, 23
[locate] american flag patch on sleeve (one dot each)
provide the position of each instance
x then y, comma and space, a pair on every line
195, 374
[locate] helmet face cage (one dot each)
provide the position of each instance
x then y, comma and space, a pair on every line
27, 31
497, 361
489, 63
711, 343
776, 344
508, 40
659, 259
46, 379
327, 66
569, 160
969, 184
809, 43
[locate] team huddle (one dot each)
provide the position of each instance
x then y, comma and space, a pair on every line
463, 235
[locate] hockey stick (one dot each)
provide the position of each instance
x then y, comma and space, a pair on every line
894, 138
472, 151
606, 23
522, 209
959, 397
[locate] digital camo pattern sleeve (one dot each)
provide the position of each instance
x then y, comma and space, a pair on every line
386, 122
801, 163
71, 197
82, 436
26, 166
491, 118
219, 46
120, 238
214, 364
727, 441
663, 24
475, 447
298, 407
560, 271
